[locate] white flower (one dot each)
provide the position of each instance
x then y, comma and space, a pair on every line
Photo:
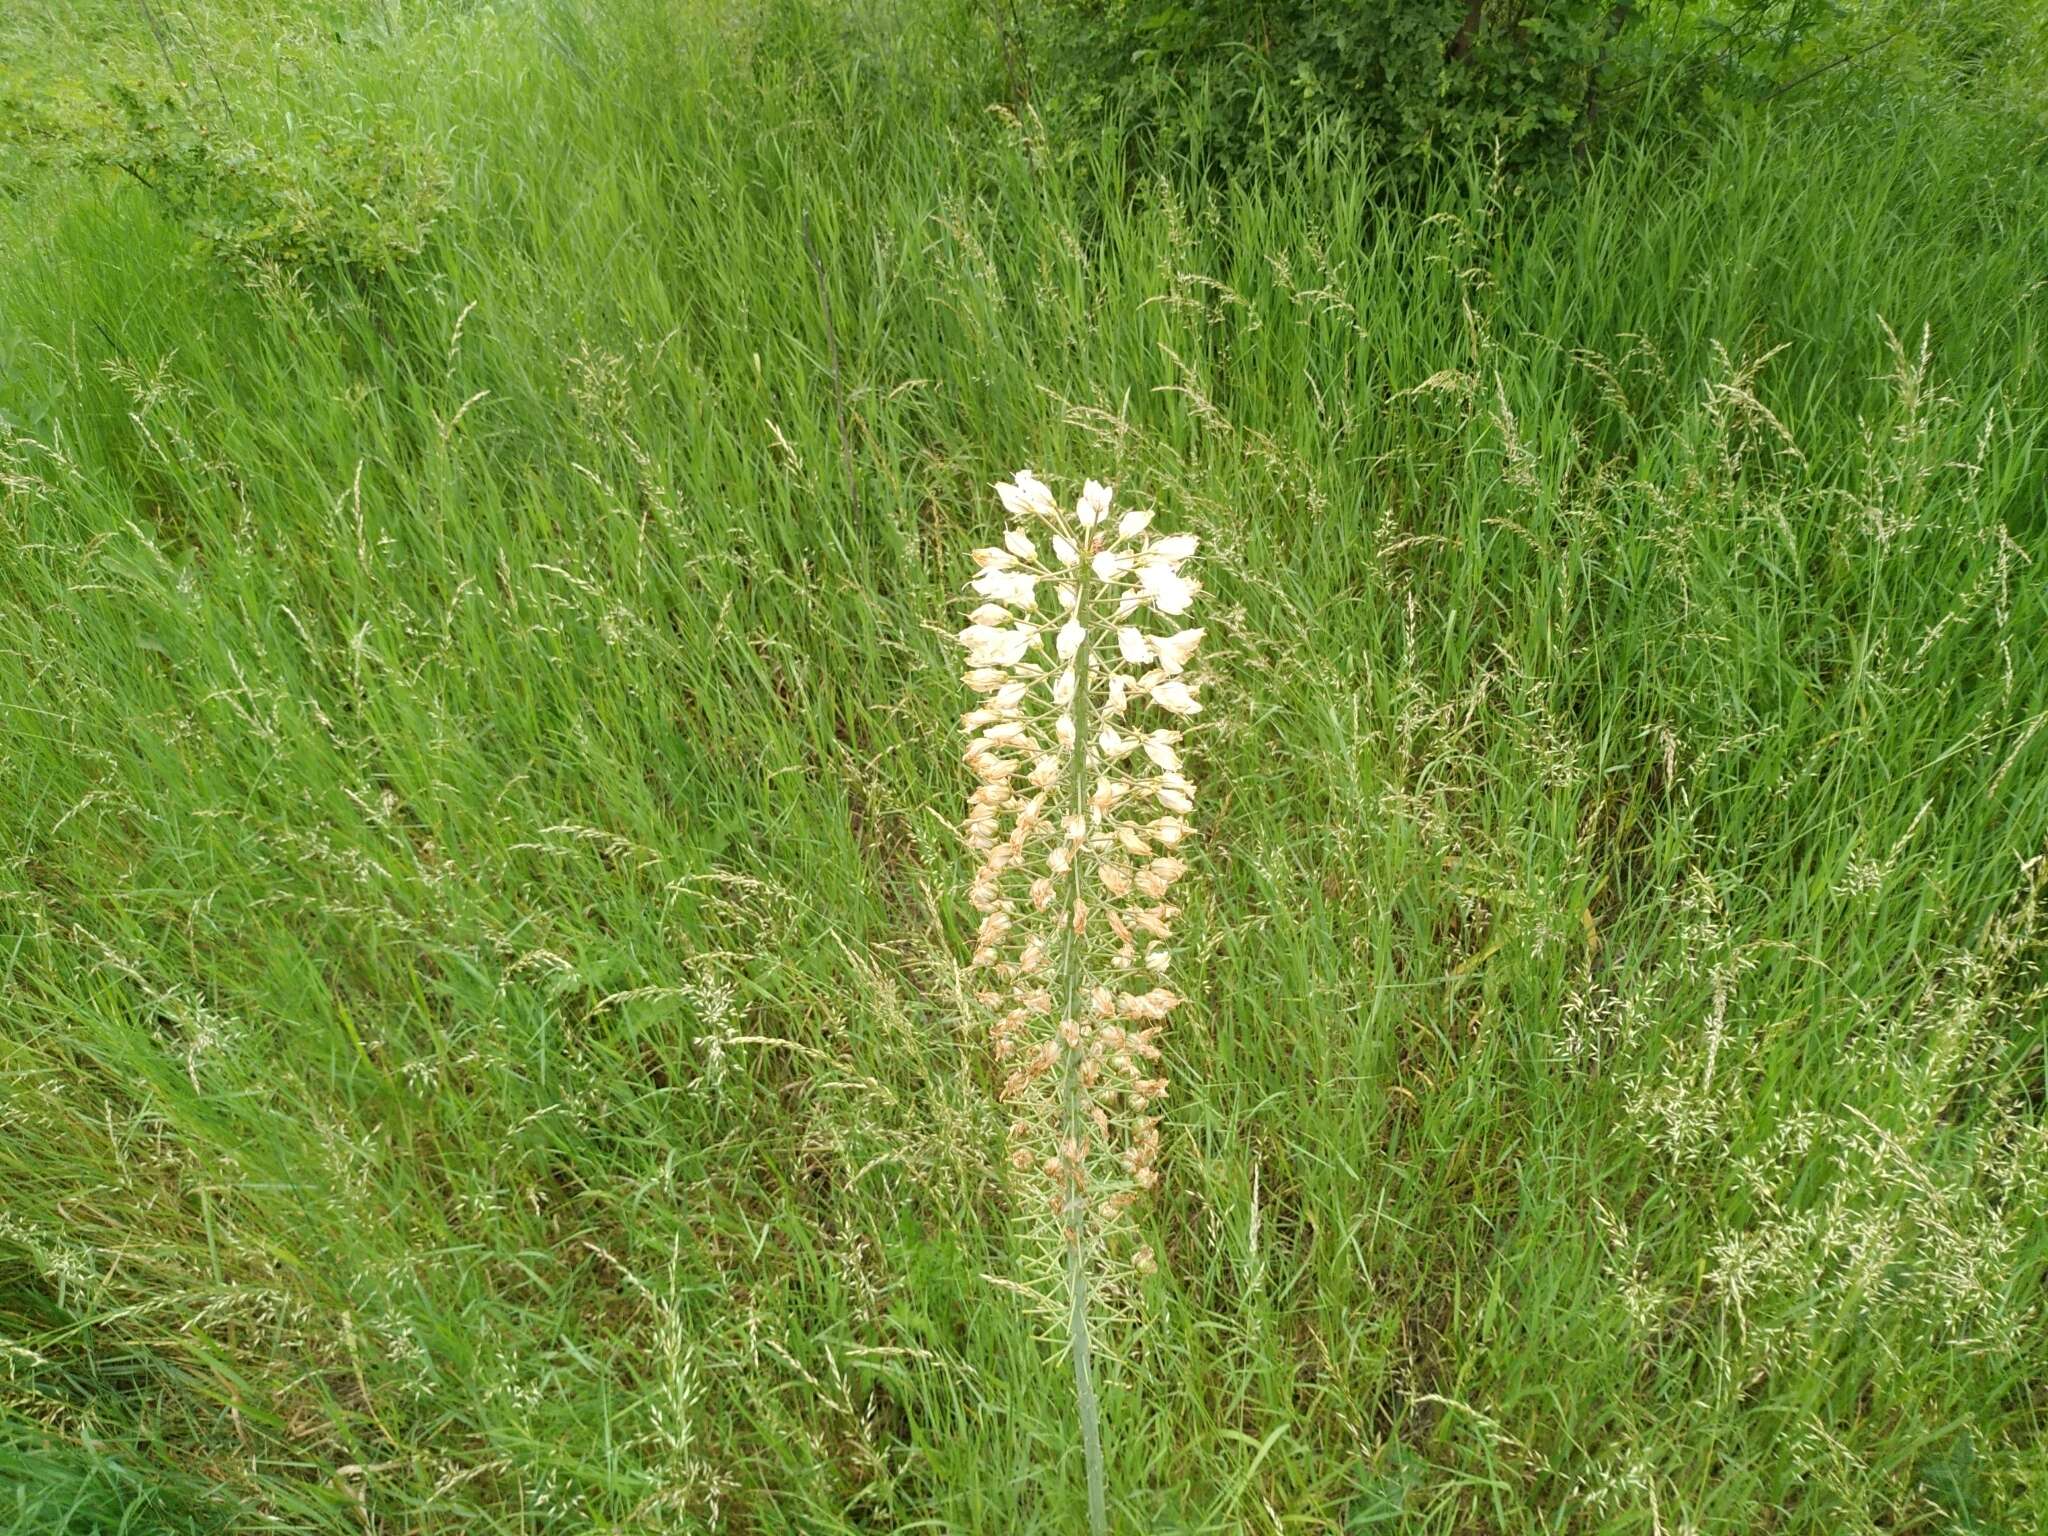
1165, 588
1174, 650
1027, 497
1157, 877
1075, 836
1019, 589
991, 647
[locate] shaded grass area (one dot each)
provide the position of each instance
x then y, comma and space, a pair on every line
479, 914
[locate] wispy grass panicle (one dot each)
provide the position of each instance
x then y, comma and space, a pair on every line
1081, 656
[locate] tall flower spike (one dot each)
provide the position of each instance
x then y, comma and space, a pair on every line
1082, 665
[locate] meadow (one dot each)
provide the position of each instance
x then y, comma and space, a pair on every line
484, 1036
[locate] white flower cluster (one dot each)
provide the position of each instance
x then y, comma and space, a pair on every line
1080, 806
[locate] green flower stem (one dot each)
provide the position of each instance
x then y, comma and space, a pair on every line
1072, 1096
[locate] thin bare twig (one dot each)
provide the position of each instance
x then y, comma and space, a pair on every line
1815, 74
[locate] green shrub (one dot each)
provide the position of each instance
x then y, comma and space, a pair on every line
1410, 79
1705, 57
349, 201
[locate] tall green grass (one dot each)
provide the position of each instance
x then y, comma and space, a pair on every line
479, 920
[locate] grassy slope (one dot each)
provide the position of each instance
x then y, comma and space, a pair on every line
478, 915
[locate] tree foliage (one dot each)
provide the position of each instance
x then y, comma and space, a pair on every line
1411, 79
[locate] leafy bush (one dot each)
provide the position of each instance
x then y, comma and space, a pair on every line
349, 201
1408, 78
1706, 57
